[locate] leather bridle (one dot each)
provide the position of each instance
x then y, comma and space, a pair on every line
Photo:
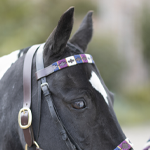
25, 115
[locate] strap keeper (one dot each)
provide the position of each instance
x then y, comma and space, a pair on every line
44, 84
45, 89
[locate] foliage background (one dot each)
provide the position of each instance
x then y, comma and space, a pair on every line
24, 23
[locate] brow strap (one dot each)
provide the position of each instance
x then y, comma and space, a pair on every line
64, 63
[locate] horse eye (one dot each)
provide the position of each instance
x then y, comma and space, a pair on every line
78, 105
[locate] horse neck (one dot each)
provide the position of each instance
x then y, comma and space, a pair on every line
11, 97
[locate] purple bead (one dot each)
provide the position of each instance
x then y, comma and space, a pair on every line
62, 63
84, 58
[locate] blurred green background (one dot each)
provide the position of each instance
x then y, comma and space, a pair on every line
120, 44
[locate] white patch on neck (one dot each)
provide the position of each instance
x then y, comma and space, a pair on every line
6, 62
97, 85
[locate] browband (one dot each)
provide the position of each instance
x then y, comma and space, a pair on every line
63, 63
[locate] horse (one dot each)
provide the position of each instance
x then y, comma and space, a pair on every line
83, 102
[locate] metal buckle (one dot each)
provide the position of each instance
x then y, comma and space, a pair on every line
43, 84
35, 143
26, 147
29, 118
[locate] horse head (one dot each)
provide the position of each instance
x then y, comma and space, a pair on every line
83, 102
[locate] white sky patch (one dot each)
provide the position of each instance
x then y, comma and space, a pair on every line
6, 62
96, 83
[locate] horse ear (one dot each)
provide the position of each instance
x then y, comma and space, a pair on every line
84, 34
57, 40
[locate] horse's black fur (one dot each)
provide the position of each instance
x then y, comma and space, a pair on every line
94, 127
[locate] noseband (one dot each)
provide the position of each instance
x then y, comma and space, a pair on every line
25, 115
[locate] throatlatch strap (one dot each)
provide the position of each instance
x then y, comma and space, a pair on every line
48, 98
26, 116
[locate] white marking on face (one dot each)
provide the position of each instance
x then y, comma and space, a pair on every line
6, 62
97, 85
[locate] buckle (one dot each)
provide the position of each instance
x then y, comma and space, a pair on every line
26, 147
35, 143
44, 84
29, 118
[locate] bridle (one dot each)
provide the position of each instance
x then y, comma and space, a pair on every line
25, 115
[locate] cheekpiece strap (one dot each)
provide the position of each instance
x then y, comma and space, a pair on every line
147, 145
125, 145
63, 63
25, 114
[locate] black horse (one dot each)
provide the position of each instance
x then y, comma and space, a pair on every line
83, 102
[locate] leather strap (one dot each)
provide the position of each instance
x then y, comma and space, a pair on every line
27, 76
39, 66
63, 63
28, 133
56, 120
48, 98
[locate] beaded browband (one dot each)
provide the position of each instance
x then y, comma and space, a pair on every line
63, 63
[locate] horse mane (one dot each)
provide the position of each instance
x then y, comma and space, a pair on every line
23, 51
10, 59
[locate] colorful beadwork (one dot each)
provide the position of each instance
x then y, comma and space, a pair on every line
73, 60
63, 63
125, 145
